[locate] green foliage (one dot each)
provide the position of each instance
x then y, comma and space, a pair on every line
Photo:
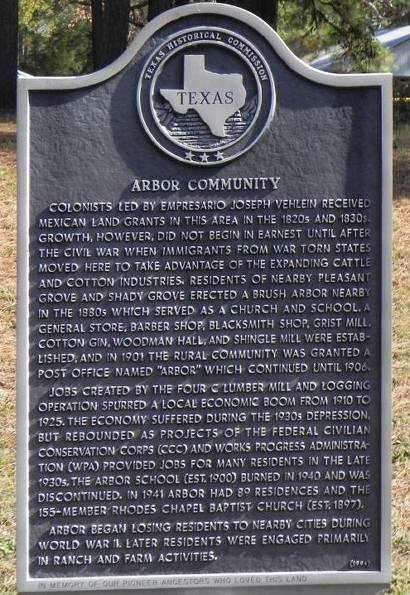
54, 37
348, 27
394, 13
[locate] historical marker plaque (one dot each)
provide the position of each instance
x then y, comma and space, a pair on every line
204, 317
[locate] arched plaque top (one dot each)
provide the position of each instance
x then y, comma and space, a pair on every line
205, 8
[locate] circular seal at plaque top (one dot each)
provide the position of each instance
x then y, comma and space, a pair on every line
205, 96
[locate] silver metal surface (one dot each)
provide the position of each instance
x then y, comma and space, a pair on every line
189, 158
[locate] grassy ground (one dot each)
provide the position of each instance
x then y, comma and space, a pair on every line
401, 364
7, 349
401, 359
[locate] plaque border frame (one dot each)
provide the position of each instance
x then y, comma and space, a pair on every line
27, 83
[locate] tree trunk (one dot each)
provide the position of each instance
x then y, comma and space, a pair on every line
109, 30
265, 9
116, 15
8, 53
157, 6
97, 33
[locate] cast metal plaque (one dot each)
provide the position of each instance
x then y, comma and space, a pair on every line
204, 317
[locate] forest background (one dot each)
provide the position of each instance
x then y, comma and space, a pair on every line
72, 37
